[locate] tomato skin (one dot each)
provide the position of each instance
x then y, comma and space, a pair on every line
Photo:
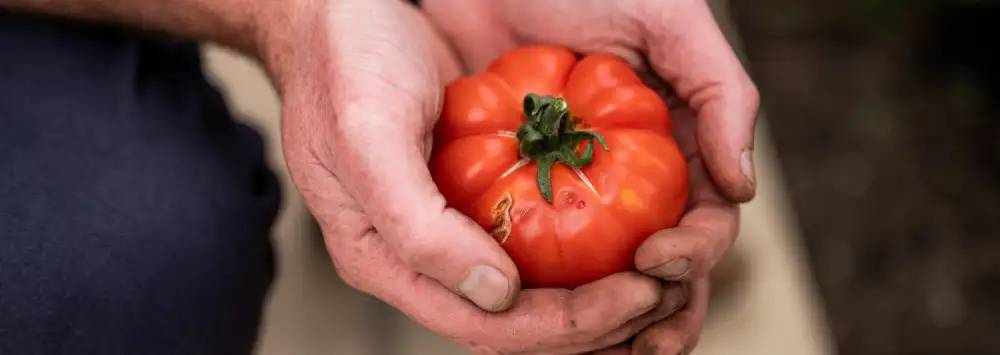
599, 216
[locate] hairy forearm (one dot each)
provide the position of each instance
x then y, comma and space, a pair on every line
236, 23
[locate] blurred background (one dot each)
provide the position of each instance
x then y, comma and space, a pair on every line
875, 230
884, 114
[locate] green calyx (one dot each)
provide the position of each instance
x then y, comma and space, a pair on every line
549, 136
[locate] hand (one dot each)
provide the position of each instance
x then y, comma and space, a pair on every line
361, 82
704, 233
678, 45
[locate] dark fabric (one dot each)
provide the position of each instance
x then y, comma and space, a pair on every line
134, 213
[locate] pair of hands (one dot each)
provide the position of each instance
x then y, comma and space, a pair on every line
362, 82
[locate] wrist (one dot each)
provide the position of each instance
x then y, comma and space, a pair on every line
285, 31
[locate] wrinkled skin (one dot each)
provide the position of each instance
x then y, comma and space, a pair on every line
639, 185
361, 83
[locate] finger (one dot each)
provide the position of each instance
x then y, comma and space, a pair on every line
673, 298
684, 122
390, 178
702, 236
540, 318
474, 27
678, 334
385, 89
449, 64
688, 50
601, 313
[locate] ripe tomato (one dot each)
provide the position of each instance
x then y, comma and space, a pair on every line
515, 150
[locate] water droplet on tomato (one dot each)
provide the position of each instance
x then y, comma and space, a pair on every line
581, 204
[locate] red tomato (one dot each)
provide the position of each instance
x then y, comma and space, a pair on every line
540, 106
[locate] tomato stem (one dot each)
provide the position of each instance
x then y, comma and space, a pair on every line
549, 136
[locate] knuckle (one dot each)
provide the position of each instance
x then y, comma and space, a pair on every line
419, 237
351, 259
346, 117
351, 279
349, 274
706, 239
419, 250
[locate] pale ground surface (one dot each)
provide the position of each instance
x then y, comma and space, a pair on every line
768, 306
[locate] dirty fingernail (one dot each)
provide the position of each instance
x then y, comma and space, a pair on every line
746, 166
487, 287
671, 270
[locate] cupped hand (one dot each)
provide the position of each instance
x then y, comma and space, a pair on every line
681, 50
361, 82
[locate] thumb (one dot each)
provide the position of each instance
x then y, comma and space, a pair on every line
384, 89
688, 50
383, 167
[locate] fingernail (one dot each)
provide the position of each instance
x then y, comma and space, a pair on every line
746, 166
671, 270
485, 286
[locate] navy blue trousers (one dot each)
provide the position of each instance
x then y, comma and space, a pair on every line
134, 213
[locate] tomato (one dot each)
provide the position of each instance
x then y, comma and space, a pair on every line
568, 162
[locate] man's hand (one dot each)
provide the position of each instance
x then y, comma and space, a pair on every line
714, 106
361, 82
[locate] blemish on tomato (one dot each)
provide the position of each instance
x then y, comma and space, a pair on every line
501, 218
568, 197
581, 204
